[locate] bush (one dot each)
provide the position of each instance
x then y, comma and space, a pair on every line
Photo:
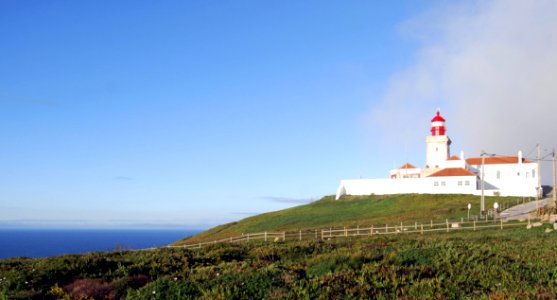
513, 263
166, 288
90, 288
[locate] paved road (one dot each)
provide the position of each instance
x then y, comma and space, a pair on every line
521, 211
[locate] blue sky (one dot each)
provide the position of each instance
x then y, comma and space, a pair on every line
194, 113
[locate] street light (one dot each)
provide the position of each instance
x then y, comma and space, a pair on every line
482, 205
469, 206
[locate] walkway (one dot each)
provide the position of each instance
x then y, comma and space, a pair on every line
521, 211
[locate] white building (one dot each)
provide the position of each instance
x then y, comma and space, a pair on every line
445, 174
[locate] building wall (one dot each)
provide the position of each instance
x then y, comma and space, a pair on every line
405, 173
509, 179
500, 179
437, 150
454, 164
428, 185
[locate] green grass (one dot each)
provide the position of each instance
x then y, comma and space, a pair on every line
514, 263
355, 210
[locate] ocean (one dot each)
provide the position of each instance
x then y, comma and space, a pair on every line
52, 242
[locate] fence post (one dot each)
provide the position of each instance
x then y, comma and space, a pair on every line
422, 228
322, 234
461, 220
431, 222
386, 228
371, 230
358, 230
401, 227
315, 233
284, 236
300, 235
265, 236
345, 231
416, 226
248, 237
501, 223
474, 225
447, 220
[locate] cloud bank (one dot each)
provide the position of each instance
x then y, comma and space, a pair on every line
491, 66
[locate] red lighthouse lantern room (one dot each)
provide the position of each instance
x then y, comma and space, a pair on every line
438, 125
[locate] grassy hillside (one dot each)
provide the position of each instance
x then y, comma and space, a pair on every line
355, 210
513, 263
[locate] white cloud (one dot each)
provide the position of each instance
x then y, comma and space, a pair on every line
491, 66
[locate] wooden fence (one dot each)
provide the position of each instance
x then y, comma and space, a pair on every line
335, 232
421, 228
265, 236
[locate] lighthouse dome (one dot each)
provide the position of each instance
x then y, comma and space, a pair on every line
438, 125
438, 118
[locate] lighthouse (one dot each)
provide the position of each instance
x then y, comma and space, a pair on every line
438, 143
443, 174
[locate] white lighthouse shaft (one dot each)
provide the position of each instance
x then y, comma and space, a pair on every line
438, 143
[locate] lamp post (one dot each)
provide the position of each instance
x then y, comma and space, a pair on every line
469, 206
554, 181
482, 204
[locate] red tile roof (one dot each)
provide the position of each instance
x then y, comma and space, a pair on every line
454, 157
495, 160
407, 166
452, 172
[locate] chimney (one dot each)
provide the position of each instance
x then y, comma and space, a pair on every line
461, 155
519, 157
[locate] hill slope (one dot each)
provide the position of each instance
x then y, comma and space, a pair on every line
355, 210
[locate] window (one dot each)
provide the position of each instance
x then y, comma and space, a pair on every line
442, 183
498, 174
460, 183
467, 182
533, 173
436, 183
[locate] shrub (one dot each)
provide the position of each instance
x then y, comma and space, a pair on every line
166, 288
90, 288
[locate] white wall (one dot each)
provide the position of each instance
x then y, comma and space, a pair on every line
513, 180
437, 150
454, 164
445, 185
405, 173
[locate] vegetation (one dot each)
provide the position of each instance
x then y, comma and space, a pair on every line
496, 264
511, 263
356, 210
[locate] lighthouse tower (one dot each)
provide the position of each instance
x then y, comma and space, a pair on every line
438, 143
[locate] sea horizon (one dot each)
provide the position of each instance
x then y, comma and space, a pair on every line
47, 242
